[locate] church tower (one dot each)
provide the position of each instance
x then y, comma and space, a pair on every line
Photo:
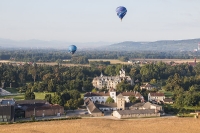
120, 102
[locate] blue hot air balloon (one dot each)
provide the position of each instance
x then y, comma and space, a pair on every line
121, 12
72, 49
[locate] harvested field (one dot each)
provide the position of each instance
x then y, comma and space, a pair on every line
112, 61
153, 125
169, 60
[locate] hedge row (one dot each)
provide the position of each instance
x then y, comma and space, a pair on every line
69, 118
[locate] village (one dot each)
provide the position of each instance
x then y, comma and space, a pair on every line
96, 104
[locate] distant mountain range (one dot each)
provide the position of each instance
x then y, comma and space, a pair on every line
7, 43
163, 45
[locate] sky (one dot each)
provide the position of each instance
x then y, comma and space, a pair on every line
96, 20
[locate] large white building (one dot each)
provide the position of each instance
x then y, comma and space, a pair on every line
156, 96
111, 81
101, 97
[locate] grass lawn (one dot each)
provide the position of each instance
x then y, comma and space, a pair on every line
192, 107
11, 90
41, 95
16, 97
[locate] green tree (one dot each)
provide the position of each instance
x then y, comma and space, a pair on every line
65, 97
56, 99
29, 96
132, 99
74, 94
137, 87
94, 90
109, 100
71, 104
123, 86
153, 81
48, 98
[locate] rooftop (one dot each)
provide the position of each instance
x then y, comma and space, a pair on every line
137, 111
156, 94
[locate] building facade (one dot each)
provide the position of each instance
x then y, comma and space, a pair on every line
135, 113
148, 86
38, 108
7, 110
158, 97
111, 81
101, 97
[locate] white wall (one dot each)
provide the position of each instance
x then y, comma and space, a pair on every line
116, 114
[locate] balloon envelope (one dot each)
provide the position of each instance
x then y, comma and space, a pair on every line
72, 49
121, 12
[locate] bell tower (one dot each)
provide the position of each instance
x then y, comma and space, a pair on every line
120, 102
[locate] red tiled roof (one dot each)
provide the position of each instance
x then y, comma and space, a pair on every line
137, 94
89, 94
156, 94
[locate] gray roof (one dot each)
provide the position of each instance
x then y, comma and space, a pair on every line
91, 106
147, 105
120, 96
31, 102
137, 111
107, 105
7, 102
134, 104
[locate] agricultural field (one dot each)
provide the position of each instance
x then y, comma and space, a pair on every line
169, 60
112, 61
92, 125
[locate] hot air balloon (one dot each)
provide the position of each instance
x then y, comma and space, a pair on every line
72, 49
121, 12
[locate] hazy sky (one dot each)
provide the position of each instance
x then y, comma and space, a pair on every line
96, 20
